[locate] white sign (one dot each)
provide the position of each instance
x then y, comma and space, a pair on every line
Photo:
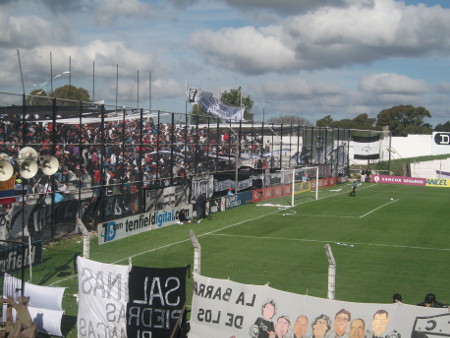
223, 308
122, 227
103, 296
208, 102
132, 225
44, 306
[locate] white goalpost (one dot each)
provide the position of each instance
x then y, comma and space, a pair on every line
282, 187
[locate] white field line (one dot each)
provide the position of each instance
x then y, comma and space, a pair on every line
322, 241
378, 208
201, 235
172, 244
354, 217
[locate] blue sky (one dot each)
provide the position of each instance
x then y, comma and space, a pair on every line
306, 58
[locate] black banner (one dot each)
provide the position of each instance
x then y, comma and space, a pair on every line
157, 298
14, 257
366, 139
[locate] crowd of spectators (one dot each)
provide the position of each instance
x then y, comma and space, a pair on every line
118, 153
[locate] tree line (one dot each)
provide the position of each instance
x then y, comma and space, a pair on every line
402, 120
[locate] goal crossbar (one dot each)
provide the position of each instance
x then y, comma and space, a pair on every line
279, 189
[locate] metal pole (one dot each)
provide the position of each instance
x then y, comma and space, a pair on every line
293, 187
317, 183
197, 252
331, 271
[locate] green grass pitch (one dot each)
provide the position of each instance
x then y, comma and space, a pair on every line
388, 239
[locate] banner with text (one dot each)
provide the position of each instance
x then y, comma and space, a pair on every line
439, 183
397, 180
132, 225
223, 308
123, 227
156, 301
103, 296
212, 105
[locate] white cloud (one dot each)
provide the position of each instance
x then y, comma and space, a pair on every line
246, 50
29, 31
297, 89
392, 84
444, 87
329, 37
108, 12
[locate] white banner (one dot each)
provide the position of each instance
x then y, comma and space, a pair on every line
223, 308
103, 296
208, 102
441, 143
44, 305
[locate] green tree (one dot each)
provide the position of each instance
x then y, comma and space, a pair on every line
443, 127
198, 115
34, 98
404, 119
235, 98
290, 119
65, 92
71, 93
362, 121
326, 121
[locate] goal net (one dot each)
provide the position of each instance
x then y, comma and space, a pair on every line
282, 188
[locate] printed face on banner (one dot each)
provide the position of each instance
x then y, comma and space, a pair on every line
341, 322
321, 326
301, 326
223, 308
380, 322
357, 328
282, 326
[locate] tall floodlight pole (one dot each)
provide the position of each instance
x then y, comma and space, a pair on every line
137, 80
150, 92
93, 80
51, 73
117, 83
21, 73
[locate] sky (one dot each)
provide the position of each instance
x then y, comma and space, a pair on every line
305, 58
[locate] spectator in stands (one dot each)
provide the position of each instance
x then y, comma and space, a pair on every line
200, 205
430, 301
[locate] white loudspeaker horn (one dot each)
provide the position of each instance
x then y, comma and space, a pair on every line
28, 168
6, 170
4, 157
50, 165
28, 153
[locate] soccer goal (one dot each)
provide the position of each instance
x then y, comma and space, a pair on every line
281, 188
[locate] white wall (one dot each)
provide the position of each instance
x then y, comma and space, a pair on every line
406, 147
